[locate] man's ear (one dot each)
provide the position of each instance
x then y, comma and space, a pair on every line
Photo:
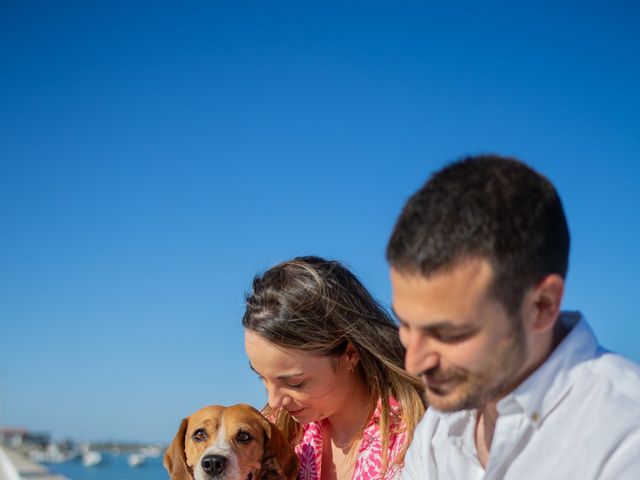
544, 302
175, 460
279, 460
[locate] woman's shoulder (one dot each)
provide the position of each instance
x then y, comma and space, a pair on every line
397, 426
396, 421
370, 456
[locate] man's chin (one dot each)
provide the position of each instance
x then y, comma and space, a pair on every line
446, 401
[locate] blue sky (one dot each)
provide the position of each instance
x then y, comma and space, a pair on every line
155, 156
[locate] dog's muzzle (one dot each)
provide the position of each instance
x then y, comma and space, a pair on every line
214, 464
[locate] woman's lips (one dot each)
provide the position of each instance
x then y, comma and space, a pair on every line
294, 413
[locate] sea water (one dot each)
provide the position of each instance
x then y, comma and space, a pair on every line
112, 467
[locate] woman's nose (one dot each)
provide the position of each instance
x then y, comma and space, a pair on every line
277, 399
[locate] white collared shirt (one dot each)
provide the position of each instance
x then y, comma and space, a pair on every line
576, 417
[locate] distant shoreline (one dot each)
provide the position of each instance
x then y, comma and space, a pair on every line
14, 465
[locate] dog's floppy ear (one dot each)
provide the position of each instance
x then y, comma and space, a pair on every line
280, 460
175, 460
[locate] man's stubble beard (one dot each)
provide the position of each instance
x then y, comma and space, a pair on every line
473, 390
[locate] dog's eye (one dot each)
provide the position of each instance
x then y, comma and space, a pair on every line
243, 437
199, 435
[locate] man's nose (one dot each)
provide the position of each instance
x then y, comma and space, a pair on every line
421, 354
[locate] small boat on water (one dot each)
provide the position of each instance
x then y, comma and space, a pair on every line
151, 451
136, 460
91, 458
53, 453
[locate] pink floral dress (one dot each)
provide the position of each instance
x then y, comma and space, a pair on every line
369, 460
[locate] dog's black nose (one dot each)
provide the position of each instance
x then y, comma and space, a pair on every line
214, 464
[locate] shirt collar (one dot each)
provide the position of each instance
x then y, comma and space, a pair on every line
539, 393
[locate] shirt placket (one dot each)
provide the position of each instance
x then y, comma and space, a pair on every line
508, 434
465, 447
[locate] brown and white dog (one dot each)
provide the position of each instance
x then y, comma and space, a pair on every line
229, 443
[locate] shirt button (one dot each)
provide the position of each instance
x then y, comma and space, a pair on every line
535, 416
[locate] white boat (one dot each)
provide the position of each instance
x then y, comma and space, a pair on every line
135, 460
91, 458
151, 451
52, 454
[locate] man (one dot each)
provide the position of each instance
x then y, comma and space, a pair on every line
517, 389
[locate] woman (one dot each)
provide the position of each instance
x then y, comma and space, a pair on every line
332, 363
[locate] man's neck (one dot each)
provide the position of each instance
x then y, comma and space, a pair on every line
487, 415
486, 419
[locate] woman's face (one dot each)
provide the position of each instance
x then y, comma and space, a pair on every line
309, 387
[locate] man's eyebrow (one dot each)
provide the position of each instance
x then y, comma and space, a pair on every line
447, 325
438, 325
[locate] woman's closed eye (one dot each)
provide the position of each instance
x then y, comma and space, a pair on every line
296, 384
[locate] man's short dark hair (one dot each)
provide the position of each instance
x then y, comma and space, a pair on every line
486, 207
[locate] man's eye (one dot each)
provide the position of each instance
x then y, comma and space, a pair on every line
453, 338
199, 436
243, 437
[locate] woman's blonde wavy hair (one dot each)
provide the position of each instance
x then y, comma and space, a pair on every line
319, 306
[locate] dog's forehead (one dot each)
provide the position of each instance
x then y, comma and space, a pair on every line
242, 415
213, 417
210, 416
